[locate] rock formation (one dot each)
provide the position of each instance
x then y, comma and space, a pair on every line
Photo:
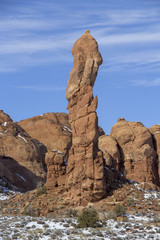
155, 130
111, 151
85, 180
137, 153
23, 156
53, 130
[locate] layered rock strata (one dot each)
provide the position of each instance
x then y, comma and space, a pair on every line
85, 180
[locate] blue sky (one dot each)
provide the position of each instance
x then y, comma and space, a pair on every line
36, 38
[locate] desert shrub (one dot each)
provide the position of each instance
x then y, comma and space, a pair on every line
88, 218
130, 202
29, 211
155, 219
71, 212
119, 210
41, 190
111, 215
39, 184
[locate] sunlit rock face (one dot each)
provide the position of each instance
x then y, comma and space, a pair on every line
138, 156
53, 130
22, 158
85, 180
87, 60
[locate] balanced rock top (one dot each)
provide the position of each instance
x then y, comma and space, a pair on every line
87, 60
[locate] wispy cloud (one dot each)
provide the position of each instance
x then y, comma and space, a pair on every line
26, 24
122, 17
7, 69
128, 38
38, 32
138, 60
40, 88
146, 83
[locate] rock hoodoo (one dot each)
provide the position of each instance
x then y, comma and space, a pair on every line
85, 180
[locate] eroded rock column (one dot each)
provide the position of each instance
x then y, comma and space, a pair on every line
85, 180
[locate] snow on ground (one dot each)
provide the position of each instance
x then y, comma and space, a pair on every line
21, 227
3, 196
138, 226
5, 192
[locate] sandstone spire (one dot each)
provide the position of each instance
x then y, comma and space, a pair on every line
85, 180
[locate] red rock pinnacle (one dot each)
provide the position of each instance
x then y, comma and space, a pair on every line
85, 180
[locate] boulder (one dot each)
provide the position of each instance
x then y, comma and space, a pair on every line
19, 151
138, 155
110, 149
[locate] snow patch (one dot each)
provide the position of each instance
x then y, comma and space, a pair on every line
156, 132
57, 151
21, 177
66, 128
3, 197
152, 195
4, 124
22, 137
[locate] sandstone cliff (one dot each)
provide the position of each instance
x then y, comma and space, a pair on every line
53, 130
22, 158
130, 149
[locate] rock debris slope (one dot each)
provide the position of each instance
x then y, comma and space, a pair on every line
85, 180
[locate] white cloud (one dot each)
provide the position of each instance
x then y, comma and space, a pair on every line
25, 24
7, 69
145, 59
42, 32
40, 88
129, 38
146, 83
